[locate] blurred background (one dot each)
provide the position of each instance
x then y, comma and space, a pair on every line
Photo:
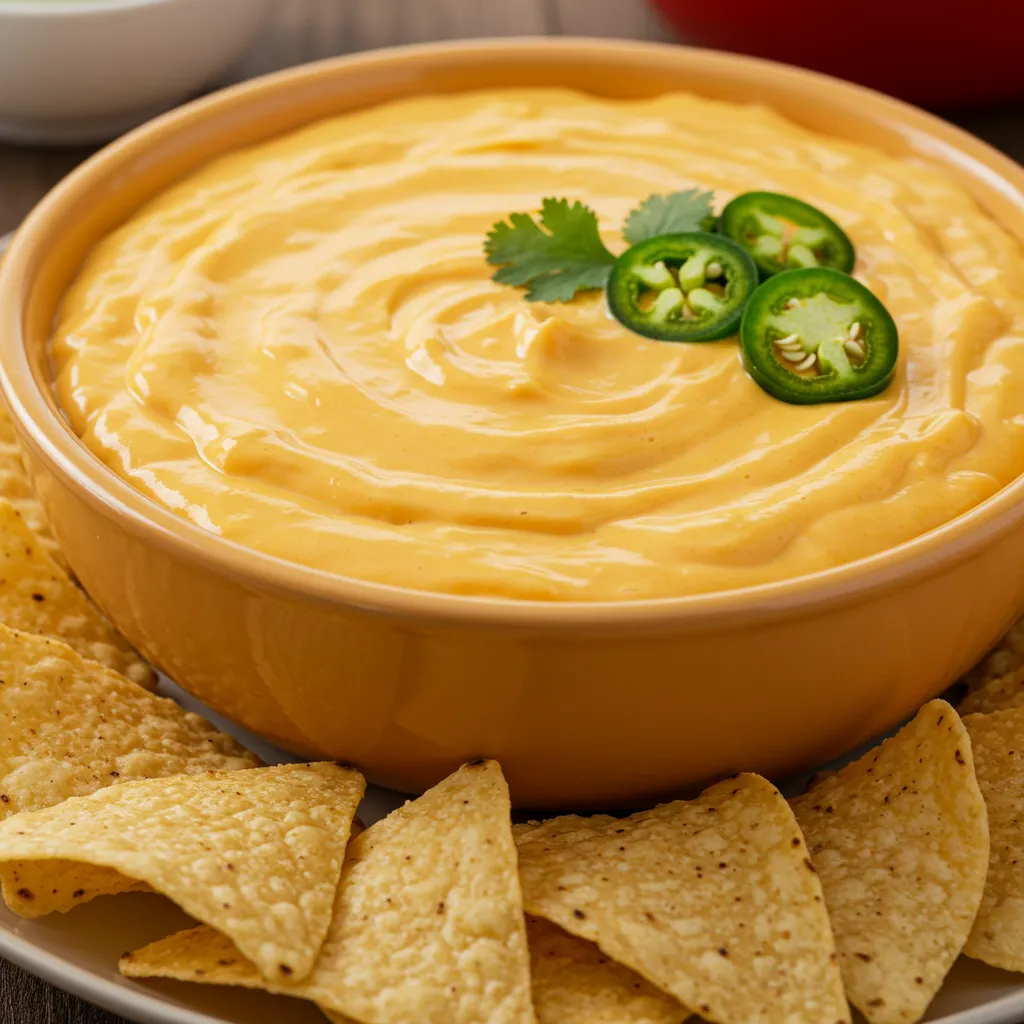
74, 73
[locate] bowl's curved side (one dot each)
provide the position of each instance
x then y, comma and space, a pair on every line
588, 704
581, 718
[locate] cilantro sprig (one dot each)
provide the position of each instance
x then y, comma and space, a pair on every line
556, 263
669, 215
564, 254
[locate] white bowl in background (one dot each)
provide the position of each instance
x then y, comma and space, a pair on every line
87, 70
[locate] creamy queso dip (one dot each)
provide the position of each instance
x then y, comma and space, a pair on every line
300, 348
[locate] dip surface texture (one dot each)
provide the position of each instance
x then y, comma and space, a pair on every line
300, 348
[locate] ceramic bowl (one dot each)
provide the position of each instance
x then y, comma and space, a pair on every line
584, 704
87, 70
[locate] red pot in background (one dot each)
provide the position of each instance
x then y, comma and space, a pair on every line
931, 52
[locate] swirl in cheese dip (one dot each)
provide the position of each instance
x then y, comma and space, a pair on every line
300, 348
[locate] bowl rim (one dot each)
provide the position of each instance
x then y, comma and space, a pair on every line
928, 554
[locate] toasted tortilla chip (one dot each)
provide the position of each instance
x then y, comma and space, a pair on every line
999, 694
900, 841
428, 926
205, 956
16, 487
575, 983
66, 884
998, 933
200, 954
69, 727
714, 901
434, 884
257, 854
1007, 656
37, 596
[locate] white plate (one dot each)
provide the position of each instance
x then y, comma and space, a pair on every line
79, 951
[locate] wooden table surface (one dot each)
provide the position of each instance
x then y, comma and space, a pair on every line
308, 29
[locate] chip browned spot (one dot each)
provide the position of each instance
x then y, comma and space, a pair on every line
69, 726
390, 957
998, 744
37, 596
900, 841
256, 853
650, 891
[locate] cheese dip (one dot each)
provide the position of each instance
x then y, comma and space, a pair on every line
300, 348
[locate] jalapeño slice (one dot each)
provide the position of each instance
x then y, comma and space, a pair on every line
818, 335
783, 233
686, 287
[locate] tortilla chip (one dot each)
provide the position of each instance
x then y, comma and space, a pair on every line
999, 694
428, 925
575, 983
200, 954
16, 487
205, 956
998, 933
69, 727
257, 854
900, 841
712, 900
1007, 656
67, 883
37, 596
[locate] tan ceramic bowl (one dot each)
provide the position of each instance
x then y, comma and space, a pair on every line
583, 704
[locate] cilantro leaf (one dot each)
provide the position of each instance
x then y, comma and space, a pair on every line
556, 263
669, 215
